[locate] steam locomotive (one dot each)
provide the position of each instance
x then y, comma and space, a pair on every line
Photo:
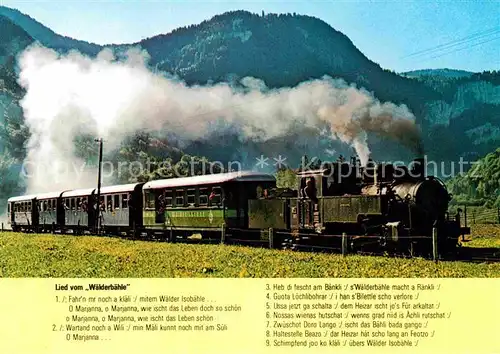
392, 206
395, 207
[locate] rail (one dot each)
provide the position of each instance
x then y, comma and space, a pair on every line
268, 239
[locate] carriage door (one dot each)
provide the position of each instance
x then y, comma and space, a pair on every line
10, 211
307, 209
160, 204
304, 205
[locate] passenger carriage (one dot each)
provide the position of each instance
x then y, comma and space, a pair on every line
121, 207
201, 204
48, 204
22, 212
77, 210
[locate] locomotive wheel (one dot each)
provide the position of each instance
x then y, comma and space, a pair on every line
287, 244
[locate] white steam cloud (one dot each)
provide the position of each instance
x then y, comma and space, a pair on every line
4, 222
111, 98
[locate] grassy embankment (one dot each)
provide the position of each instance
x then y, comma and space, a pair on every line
28, 255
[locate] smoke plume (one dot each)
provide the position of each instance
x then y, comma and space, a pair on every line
112, 97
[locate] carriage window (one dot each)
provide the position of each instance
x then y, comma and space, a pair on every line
149, 199
203, 199
159, 199
169, 196
116, 201
179, 197
72, 203
191, 196
215, 196
86, 203
124, 201
109, 203
78, 204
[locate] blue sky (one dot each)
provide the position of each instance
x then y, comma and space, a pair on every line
387, 32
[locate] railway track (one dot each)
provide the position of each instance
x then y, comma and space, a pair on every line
464, 254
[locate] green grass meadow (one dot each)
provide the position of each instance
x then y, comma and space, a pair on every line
31, 255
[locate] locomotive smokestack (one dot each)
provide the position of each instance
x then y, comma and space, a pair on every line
418, 168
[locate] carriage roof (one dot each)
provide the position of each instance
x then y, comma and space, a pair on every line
40, 196
121, 188
78, 193
22, 198
51, 195
247, 176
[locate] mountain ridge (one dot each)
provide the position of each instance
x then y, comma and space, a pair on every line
441, 72
286, 49
45, 35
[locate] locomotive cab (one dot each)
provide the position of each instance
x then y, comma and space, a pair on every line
337, 204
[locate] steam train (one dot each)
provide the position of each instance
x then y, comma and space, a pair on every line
391, 206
